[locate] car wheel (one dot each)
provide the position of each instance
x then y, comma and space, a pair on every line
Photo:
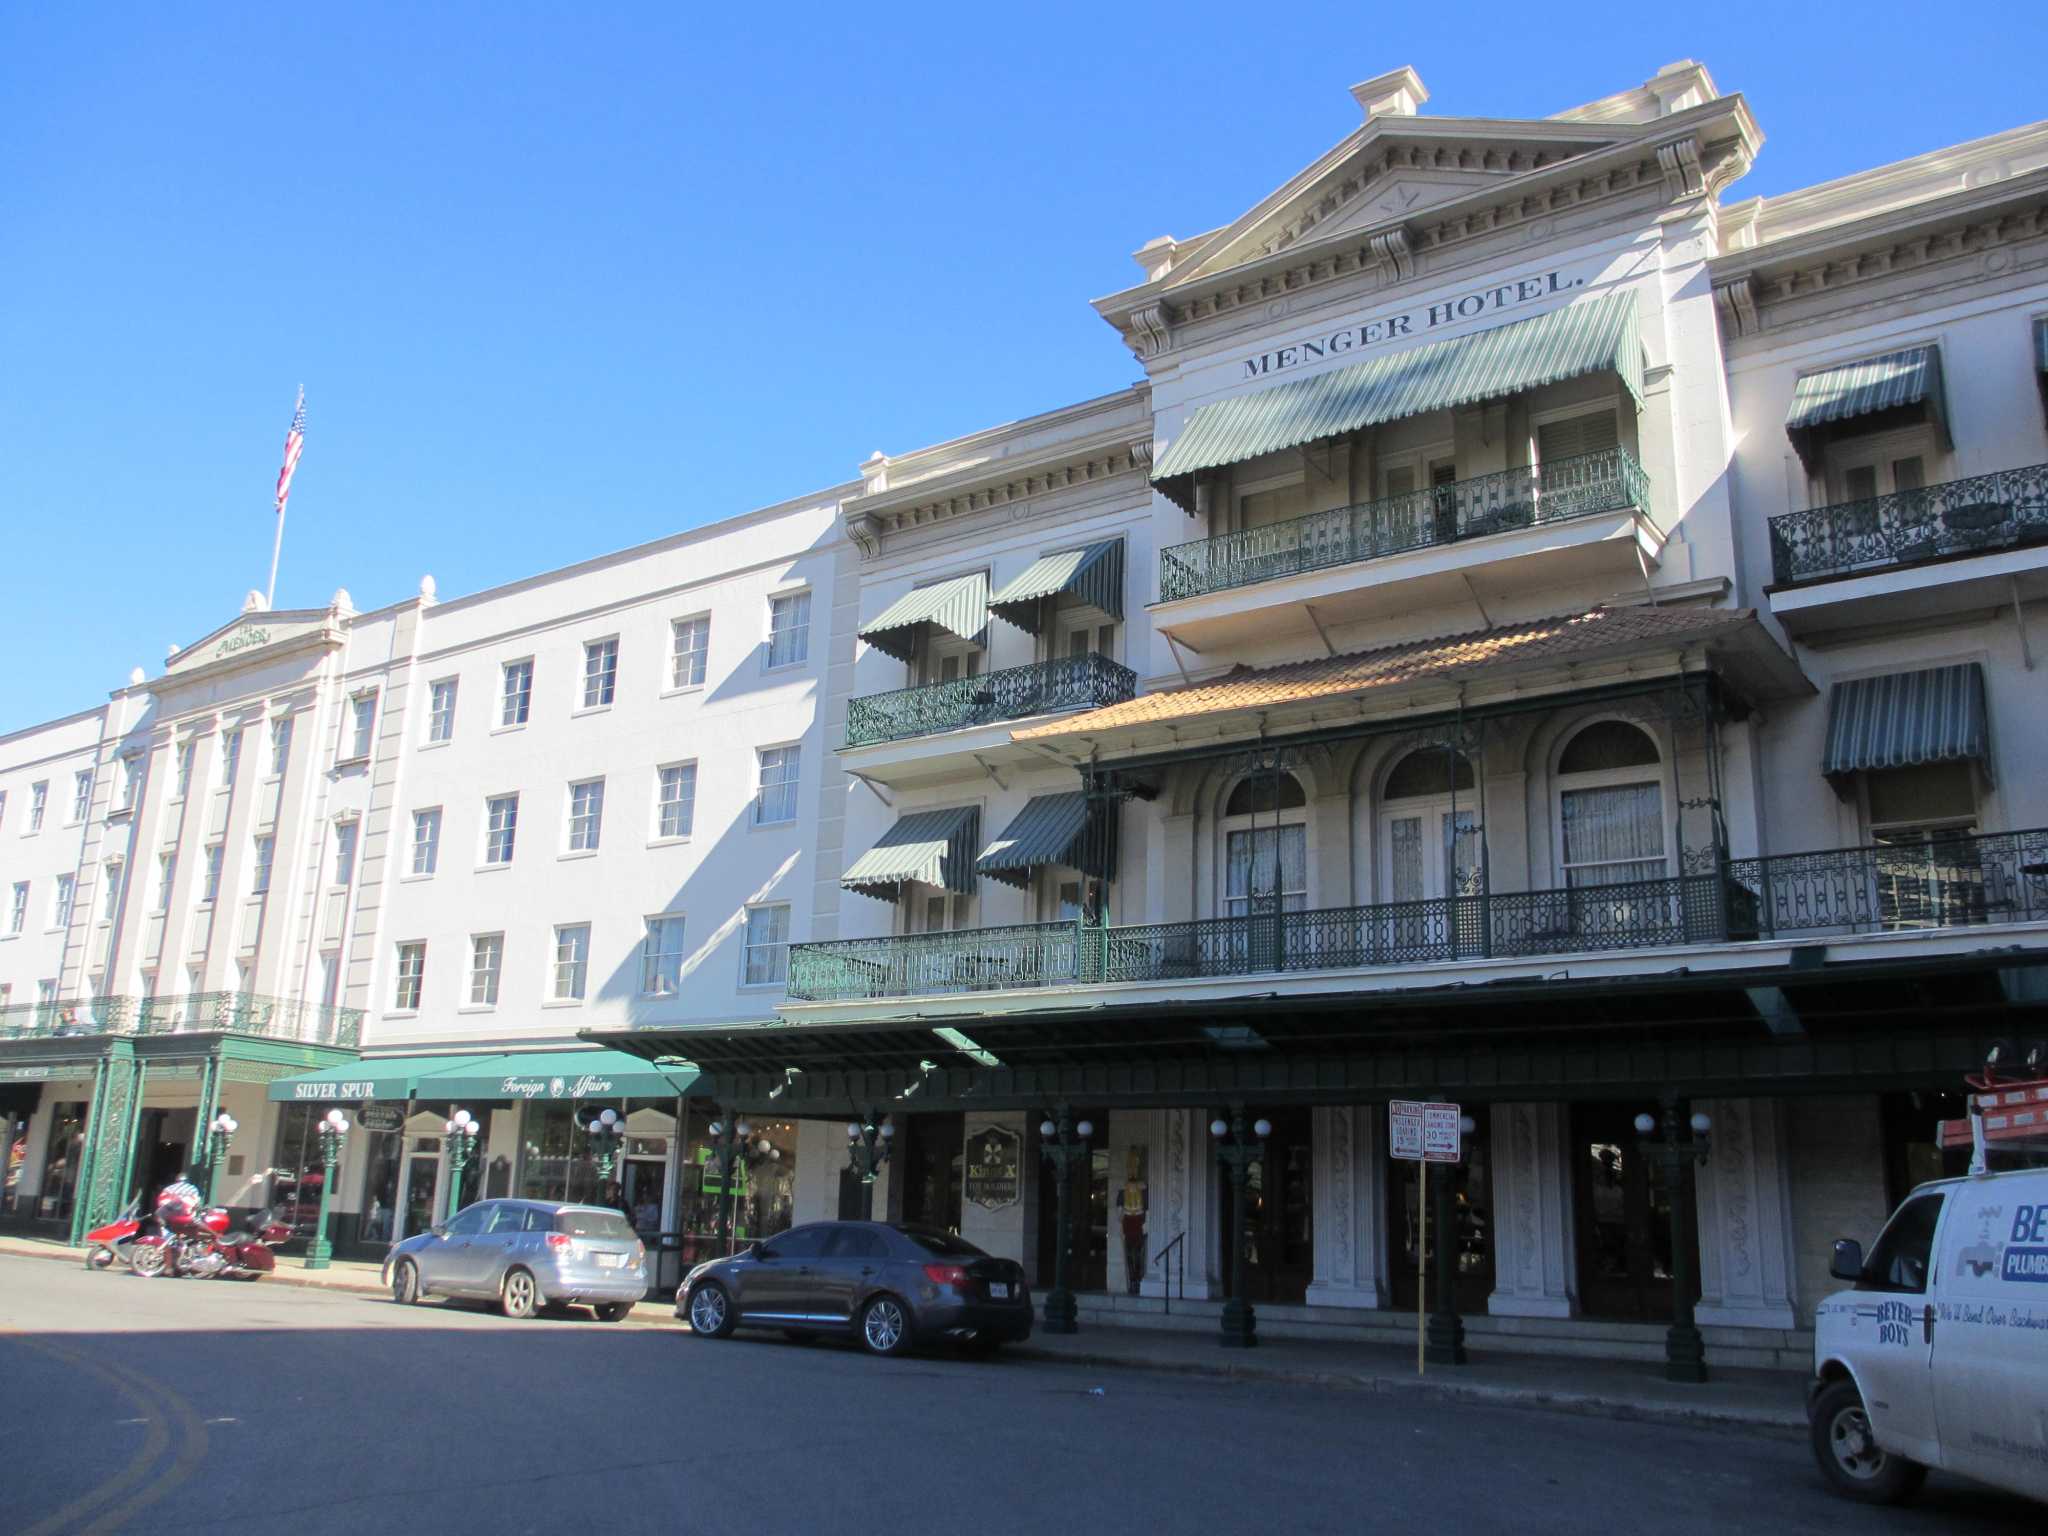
613, 1311
519, 1297
885, 1326
710, 1311
405, 1283
1849, 1455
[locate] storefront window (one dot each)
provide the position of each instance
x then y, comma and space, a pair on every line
380, 1185
762, 1189
61, 1156
296, 1170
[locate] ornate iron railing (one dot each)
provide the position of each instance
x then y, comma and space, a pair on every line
1071, 682
1944, 883
1440, 514
245, 1013
1984, 512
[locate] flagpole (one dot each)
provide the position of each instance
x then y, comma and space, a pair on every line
294, 440
276, 549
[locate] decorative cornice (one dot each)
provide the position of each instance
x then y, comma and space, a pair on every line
1151, 330
1735, 303
1391, 253
991, 487
1680, 164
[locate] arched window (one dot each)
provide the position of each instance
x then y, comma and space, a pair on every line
1265, 845
1428, 771
1263, 794
1429, 827
1611, 805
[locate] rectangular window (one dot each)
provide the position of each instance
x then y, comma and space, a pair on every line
767, 958
426, 841
689, 652
600, 673
184, 775
3, 807
166, 877
46, 1001
661, 957
131, 783
486, 960
344, 853
1613, 833
775, 800
789, 629
60, 906
677, 803
17, 910
586, 815
501, 828
441, 710
266, 851
230, 757
362, 726
412, 971
330, 978
81, 794
572, 962
110, 892
280, 745
518, 694
213, 858
38, 803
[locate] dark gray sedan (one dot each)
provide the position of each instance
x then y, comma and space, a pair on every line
889, 1286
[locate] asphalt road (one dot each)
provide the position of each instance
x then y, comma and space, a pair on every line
203, 1405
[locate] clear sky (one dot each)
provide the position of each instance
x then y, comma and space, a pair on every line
559, 279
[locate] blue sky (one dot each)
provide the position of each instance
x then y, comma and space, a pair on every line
561, 279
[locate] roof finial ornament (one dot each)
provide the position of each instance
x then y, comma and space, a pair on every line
1397, 93
253, 602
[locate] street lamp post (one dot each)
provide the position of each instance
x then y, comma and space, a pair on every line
1446, 1333
220, 1135
1685, 1352
333, 1136
728, 1152
605, 1131
463, 1131
868, 1145
1065, 1146
1237, 1153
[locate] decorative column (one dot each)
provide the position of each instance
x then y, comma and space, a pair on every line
1745, 1219
1534, 1270
1349, 1182
1183, 1202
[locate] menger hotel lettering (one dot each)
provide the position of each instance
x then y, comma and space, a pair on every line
1409, 323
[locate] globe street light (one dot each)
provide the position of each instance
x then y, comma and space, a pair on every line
867, 1145
333, 1131
1065, 1146
728, 1152
605, 1132
220, 1136
1237, 1154
463, 1131
1684, 1144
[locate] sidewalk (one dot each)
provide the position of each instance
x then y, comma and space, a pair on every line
1767, 1402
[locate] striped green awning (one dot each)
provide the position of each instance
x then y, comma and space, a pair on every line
1094, 575
959, 606
1507, 359
1843, 393
1905, 719
1047, 831
928, 847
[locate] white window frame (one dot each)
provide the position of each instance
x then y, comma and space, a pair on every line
600, 673
230, 756
440, 719
569, 969
63, 902
513, 700
81, 796
1423, 461
132, 770
347, 847
1612, 778
425, 861
777, 949
1266, 485
486, 969
17, 914
1881, 453
110, 890
209, 886
38, 806
260, 868
280, 745
684, 804
1262, 821
682, 678
362, 726
494, 831
410, 976
585, 829
181, 784
657, 960
802, 631
793, 784
166, 879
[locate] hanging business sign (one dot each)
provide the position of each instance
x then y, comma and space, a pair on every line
993, 1166
380, 1117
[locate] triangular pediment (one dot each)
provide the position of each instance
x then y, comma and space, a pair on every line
251, 631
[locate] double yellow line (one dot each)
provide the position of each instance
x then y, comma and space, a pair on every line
167, 1418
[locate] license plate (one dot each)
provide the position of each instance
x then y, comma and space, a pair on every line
611, 1261
999, 1289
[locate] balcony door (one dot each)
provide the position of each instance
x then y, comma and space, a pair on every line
1430, 851
1265, 865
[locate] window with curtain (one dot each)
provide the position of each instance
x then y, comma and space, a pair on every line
1611, 806
1262, 861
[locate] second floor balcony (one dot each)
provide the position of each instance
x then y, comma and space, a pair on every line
1013, 693
243, 1013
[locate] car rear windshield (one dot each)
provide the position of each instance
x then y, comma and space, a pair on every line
946, 1244
593, 1224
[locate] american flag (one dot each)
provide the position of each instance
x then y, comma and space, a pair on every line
294, 442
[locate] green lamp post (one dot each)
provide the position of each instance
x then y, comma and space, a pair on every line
1685, 1351
220, 1135
333, 1137
1237, 1153
728, 1151
605, 1130
867, 1145
463, 1132
1065, 1146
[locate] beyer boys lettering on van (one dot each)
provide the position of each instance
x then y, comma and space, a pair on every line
1410, 323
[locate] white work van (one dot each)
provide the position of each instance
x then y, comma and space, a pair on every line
1939, 1355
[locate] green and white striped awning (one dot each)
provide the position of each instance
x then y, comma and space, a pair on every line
1581, 338
1049, 830
959, 606
933, 848
1094, 575
1905, 719
1829, 395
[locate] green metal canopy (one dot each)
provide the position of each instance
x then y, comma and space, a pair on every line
1581, 338
1094, 575
382, 1077
958, 606
558, 1075
1047, 831
1842, 393
928, 847
1905, 719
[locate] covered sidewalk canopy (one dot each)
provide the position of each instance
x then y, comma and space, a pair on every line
1586, 337
1051, 829
1907, 382
926, 848
1906, 720
1094, 575
572, 1074
959, 607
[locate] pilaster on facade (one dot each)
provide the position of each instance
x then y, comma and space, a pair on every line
1185, 1208
1745, 1218
1348, 1185
1534, 1264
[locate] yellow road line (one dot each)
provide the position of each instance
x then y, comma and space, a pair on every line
154, 1443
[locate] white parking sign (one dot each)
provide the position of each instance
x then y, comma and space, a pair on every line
1423, 1132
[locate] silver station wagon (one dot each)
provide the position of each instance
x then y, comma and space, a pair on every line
525, 1255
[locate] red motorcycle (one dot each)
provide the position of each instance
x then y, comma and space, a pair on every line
115, 1242
203, 1244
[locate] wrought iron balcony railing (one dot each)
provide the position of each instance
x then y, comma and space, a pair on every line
1956, 517
244, 1013
1071, 682
1440, 514
1943, 883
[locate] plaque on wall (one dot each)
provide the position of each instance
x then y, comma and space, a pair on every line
991, 1179
380, 1117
